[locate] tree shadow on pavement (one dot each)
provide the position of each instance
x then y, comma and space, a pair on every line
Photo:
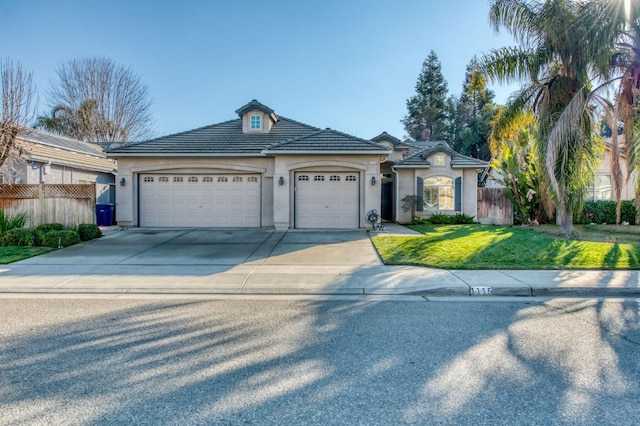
316, 362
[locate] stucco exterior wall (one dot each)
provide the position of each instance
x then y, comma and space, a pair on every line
604, 168
277, 200
407, 185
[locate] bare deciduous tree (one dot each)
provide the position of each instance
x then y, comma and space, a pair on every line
17, 111
97, 100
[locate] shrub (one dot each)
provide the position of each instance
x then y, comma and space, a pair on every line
444, 219
604, 211
21, 237
7, 223
46, 227
59, 239
88, 231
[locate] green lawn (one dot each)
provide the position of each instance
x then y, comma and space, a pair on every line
13, 254
500, 247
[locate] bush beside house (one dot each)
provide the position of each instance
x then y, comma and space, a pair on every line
13, 233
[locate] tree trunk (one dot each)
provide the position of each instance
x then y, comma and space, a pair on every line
566, 221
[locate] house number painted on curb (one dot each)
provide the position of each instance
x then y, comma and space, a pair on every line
481, 291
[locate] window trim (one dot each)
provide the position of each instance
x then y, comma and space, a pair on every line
439, 186
258, 122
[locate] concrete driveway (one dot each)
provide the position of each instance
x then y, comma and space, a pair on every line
229, 247
206, 260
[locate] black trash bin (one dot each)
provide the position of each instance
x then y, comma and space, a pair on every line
104, 214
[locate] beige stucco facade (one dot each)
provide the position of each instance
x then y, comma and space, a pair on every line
277, 201
406, 184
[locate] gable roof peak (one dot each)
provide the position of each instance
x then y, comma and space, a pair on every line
255, 105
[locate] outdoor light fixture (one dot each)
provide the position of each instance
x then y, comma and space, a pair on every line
373, 180
281, 181
123, 182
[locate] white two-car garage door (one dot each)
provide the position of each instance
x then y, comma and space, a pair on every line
199, 200
327, 200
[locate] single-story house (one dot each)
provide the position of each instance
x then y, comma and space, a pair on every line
445, 181
265, 170
259, 170
54, 159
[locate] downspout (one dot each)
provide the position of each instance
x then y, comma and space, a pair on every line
396, 194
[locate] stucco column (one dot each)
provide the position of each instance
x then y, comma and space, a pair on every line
124, 199
282, 187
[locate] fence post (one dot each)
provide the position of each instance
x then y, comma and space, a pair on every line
42, 203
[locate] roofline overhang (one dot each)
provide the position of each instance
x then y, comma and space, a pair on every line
117, 155
471, 166
82, 166
409, 166
324, 152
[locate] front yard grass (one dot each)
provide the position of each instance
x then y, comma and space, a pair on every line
11, 254
501, 247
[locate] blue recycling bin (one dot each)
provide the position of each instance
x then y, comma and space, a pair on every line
104, 214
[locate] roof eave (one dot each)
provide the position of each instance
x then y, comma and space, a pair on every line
326, 152
182, 154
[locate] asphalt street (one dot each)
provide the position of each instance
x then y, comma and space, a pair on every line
319, 361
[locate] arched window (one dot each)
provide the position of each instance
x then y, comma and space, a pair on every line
438, 193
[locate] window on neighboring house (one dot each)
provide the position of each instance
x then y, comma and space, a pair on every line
438, 193
600, 189
256, 122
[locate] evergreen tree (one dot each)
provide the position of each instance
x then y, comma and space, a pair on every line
474, 111
427, 110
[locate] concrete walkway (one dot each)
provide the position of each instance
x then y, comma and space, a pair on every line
184, 261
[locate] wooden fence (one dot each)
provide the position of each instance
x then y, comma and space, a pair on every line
69, 205
494, 207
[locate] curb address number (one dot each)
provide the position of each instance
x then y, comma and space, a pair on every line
481, 291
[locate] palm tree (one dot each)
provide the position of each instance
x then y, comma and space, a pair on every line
622, 23
559, 58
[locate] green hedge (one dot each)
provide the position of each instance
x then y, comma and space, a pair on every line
58, 239
21, 237
88, 231
604, 211
46, 227
444, 219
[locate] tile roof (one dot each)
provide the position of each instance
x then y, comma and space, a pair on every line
227, 138
427, 148
397, 143
326, 140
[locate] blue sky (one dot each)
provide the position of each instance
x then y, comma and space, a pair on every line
347, 65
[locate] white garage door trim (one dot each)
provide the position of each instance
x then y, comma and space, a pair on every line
196, 200
327, 199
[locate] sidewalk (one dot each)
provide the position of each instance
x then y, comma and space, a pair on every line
273, 273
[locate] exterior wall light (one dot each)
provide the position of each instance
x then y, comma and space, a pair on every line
123, 182
373, 180
281, 181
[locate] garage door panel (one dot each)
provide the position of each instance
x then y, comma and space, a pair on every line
200, 200
327, 200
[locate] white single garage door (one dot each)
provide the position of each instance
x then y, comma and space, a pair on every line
197, 200
327, 200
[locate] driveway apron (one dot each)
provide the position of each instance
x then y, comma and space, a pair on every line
234, 260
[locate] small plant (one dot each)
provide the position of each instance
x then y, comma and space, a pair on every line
7, 223
21, 237
410, 203
46, 227
59, 239
88, 231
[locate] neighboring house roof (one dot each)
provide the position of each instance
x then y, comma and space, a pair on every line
326, 140
227, 139
458, 161
44, 147
397, 143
